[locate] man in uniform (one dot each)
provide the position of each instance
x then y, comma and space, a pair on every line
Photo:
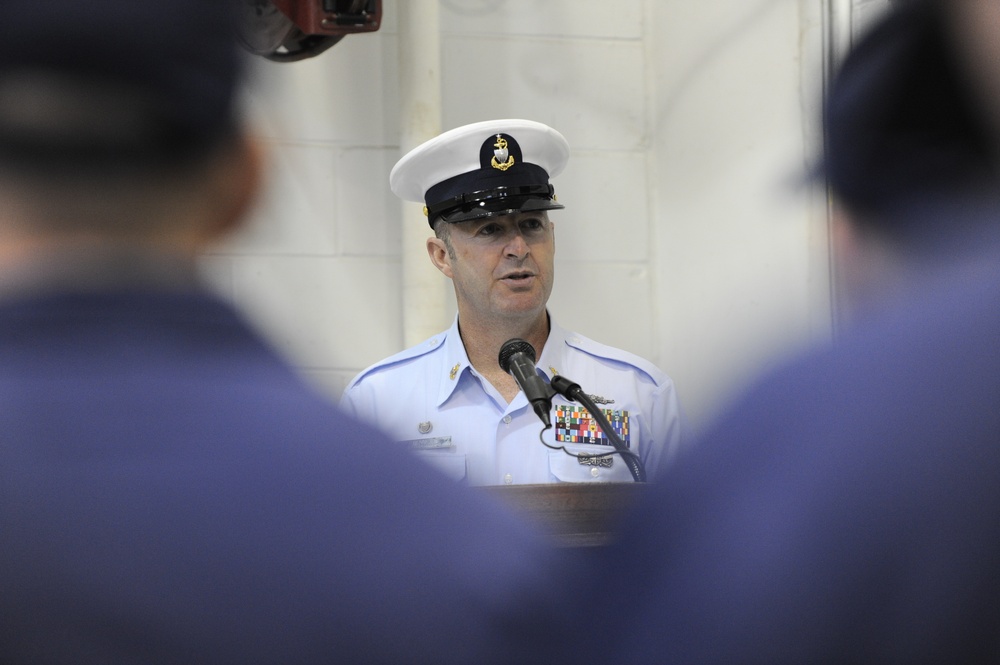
170, 490
487, 195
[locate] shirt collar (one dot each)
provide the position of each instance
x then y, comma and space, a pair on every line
551, 359
456, 362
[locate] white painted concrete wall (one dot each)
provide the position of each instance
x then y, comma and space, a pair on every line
688, 237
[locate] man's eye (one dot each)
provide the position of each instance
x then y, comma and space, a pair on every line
531, 225
488, 230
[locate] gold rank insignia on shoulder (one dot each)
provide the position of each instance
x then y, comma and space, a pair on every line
454, 371
502, 159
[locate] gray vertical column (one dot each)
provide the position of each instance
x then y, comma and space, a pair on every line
423, 289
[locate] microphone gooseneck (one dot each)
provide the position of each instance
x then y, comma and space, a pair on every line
573, 392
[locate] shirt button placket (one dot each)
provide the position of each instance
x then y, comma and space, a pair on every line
508, 478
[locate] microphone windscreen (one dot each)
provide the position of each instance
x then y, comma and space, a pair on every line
512, 346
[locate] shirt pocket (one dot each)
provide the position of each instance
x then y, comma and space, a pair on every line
451, 464
567, 469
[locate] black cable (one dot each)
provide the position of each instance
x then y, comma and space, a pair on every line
623, 453
631, 460
573, 392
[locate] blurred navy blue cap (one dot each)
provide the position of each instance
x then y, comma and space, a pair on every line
142, 77
902, 123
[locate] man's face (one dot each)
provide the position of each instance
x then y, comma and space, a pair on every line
501, 266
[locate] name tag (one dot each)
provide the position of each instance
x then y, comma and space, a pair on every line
433, 443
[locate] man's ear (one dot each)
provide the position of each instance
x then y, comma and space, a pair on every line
240, 180
438, 251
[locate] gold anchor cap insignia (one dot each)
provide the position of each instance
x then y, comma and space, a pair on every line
502, 159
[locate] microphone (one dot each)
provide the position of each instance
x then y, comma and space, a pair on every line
517, 358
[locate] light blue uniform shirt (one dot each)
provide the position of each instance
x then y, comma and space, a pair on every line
431, 397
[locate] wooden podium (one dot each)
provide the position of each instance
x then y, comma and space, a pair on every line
571, 514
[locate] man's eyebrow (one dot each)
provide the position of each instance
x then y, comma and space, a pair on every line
472, 225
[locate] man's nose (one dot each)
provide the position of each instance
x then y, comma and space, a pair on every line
517, 247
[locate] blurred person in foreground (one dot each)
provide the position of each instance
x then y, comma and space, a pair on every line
170, 490
847, 507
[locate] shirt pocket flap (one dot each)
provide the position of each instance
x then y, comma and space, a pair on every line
605, 469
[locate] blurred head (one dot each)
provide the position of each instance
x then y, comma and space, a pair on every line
904, 127
908, 148
118, 116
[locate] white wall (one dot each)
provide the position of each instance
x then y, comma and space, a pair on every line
688, 237
742, 273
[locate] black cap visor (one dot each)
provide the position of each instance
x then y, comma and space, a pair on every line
492, 202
